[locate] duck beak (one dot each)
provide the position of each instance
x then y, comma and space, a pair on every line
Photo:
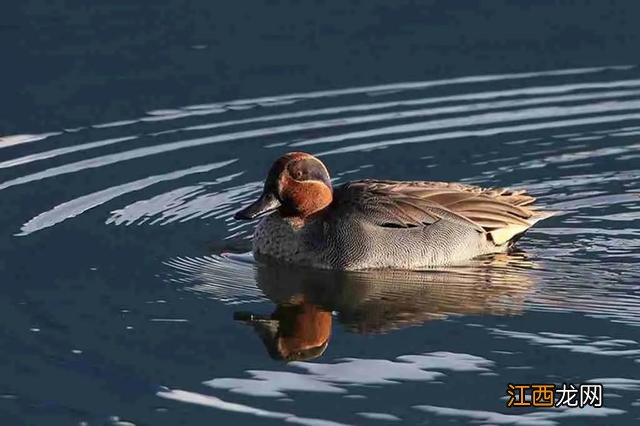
265, 204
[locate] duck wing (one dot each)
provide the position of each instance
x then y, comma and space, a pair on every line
502, 213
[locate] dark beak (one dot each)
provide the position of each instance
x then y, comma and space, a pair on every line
265, 204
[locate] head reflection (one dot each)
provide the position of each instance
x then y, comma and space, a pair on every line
378, 301
294, 332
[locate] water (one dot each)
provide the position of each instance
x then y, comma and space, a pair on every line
130, 135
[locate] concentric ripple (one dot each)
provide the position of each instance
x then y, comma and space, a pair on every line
538, 130
461, 110
570, 137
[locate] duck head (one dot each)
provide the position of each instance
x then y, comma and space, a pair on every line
298, 185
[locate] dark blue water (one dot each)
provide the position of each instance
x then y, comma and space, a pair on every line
129, 134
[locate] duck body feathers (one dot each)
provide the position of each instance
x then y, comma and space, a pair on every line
400, 224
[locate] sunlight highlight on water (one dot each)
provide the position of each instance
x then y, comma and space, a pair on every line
569, 136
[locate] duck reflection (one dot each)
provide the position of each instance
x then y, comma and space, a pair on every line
294, 331
379, 301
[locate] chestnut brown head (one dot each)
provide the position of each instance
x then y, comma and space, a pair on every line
297, 185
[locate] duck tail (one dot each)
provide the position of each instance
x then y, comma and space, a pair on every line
510, 235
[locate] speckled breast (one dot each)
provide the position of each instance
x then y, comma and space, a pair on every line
277, 237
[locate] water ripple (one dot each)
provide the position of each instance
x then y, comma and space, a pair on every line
79, 205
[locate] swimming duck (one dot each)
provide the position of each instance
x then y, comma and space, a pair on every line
372, 224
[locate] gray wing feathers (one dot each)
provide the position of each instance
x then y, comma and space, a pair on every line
419, 203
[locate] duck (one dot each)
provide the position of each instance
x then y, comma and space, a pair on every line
380, 224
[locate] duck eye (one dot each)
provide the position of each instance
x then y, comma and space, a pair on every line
297, 174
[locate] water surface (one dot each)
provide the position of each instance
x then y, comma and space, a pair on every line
128, 297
